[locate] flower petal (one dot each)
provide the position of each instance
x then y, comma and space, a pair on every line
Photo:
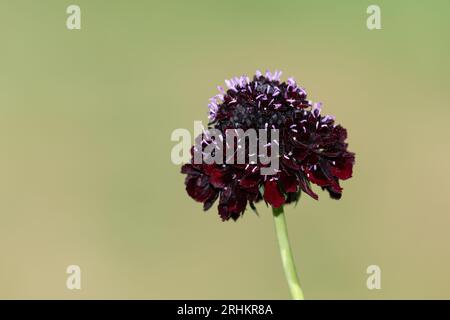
272, 194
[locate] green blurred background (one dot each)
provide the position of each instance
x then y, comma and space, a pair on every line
86, 176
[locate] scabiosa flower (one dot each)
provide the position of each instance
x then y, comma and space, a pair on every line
309, 148
312, 147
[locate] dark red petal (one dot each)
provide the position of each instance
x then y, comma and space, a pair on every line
290, 163
335, 193
300, 154
316, 177
238, 203
249, 181
304, 185
223, 212
210, 201
340, 133
188, 169
343, 168
272, 194
289, 183
216, 175
198, 189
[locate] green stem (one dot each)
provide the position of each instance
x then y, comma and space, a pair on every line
286, 254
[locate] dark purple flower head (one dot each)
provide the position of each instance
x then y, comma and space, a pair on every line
312, 147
